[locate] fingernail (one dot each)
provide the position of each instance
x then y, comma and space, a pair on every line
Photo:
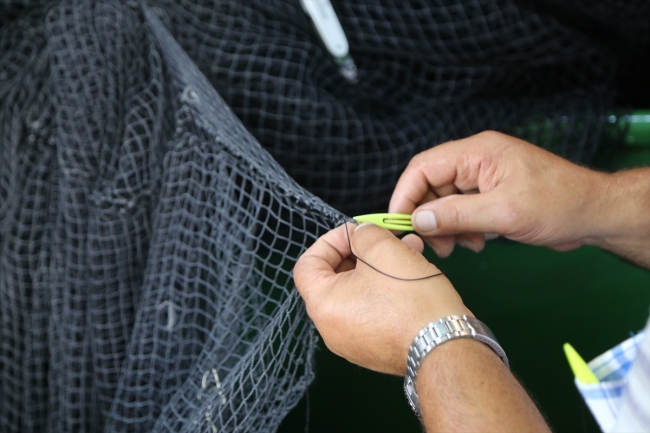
469, 246
362, 225
425, 221
490, 236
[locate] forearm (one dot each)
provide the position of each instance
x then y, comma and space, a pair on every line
464, 386
624, 216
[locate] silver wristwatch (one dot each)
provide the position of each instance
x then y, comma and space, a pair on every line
436, 333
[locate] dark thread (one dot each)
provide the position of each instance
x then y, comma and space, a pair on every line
382, 272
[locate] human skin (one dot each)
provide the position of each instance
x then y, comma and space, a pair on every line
353, 305
371, 319
488, 183
524, 193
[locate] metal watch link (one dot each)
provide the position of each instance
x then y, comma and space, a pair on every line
436, 333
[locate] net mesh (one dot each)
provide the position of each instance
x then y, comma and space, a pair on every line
147, 233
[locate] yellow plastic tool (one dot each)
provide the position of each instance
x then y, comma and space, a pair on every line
390, 221
580, 368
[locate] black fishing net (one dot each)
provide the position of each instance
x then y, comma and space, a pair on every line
147, 238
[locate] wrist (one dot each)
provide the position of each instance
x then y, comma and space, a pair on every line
464, 386
439, 360
439, 333
622, 223
424, 310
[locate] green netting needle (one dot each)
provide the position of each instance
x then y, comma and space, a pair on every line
580, 368
390, 221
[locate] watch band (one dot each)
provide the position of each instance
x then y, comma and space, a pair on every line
436, 333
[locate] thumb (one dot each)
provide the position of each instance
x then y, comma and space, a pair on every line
380, 249
454, 214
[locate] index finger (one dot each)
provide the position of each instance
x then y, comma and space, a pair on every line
435, 167
318, 264
457, 163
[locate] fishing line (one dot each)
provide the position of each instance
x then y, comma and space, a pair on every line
380, 271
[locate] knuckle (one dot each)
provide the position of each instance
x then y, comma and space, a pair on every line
510, 214
418, 160
367, 237
455, 217
371, 247
425, 157
382, 244
298, 269
497, 141
301, 271
318, 313
490, 136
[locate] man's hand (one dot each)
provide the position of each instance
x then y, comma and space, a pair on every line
366, 317
371, 319
492, 183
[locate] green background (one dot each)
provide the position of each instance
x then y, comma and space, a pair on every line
534, 299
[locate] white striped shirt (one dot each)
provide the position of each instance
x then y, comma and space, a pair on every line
634, 412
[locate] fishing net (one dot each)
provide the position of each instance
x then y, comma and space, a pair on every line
149, 216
